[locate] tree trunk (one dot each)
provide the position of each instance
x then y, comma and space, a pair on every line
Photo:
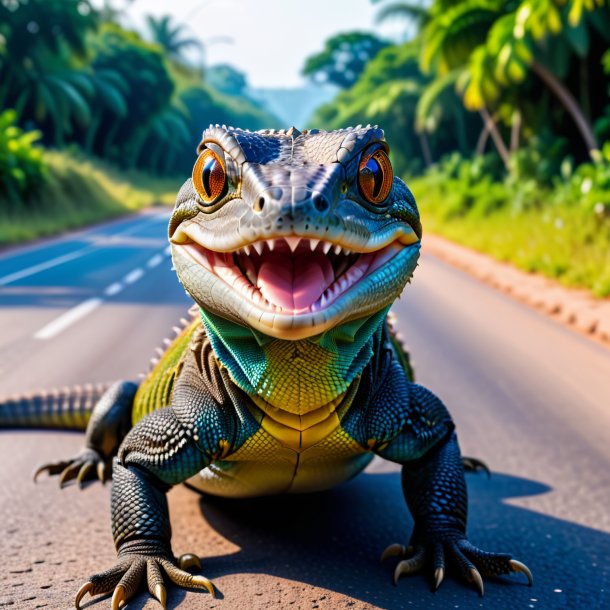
515, 129
496, 137
482, 141
570, 104
425, 149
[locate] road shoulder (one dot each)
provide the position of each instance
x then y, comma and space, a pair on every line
577, 309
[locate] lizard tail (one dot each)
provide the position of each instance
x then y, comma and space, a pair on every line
68, 408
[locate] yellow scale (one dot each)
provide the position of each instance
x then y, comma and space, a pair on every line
290, 453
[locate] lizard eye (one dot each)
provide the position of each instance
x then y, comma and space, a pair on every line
209, 176
375, 175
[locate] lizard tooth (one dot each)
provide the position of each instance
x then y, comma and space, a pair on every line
258, 246
293, 242
347, 252
246, 250
326, 247
313, 244
338, 249
271, 244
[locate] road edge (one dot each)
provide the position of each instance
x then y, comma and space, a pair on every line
577, 309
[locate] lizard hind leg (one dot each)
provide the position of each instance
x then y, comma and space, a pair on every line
110, 421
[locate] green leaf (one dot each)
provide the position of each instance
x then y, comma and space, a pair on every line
578, 37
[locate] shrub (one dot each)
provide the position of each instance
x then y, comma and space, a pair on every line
22, 168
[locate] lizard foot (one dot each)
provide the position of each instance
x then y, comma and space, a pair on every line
86, 465
471, 563
124, 579
474, 465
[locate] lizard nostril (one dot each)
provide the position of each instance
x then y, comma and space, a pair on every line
320, 202
259, 204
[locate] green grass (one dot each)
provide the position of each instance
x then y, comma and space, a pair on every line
77, 192
566, 241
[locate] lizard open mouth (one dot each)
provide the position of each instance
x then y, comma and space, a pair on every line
294, 275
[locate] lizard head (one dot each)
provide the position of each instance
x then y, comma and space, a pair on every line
293, 233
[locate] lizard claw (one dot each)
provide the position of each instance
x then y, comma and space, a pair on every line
86, 588
123, 580
472, 564
82, 467
475, 465
394, 550
439, 574
517, 566
411, 565
478, 581
118, 598
161, 595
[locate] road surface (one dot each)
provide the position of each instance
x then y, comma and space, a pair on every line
529, 396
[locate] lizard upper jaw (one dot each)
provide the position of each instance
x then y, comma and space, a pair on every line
293, 275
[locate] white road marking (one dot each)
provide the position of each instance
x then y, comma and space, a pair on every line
52, 329
68, 318
64, 258
157, 259
13, 277
114, 289
133, 276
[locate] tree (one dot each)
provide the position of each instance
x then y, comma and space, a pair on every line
520, 41
226, 79
41, 66
140, 65
343, 59
171, 38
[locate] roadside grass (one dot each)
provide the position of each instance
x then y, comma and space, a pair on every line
78, 191
568, 242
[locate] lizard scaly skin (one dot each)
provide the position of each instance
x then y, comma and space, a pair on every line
293, 246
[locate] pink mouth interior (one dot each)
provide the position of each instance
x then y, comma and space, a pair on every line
289, 281
294, 282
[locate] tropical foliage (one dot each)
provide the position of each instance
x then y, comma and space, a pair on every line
343, 58
21, 164
502, 107
77, 77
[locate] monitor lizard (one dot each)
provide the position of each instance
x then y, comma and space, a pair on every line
293, 246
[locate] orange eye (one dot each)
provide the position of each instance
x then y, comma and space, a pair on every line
209, 176
375, 175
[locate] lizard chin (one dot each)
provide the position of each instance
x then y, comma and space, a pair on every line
292, 287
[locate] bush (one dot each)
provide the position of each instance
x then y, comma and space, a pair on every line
560, 228
22, 169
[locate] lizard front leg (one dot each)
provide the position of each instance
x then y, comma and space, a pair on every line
159, 452
408, 424
435, 490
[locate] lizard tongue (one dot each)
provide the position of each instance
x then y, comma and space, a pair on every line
294, 282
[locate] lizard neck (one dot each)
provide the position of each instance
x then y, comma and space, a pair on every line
294, 376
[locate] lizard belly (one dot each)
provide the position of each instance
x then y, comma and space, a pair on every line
264, 465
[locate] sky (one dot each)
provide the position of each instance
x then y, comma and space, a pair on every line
269, 40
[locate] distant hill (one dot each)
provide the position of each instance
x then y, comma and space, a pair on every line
294, 106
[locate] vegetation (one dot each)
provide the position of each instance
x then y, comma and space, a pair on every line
498, 113
78, 191
73, 79
343, 58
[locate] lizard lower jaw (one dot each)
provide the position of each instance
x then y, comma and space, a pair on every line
293, 288
281, 278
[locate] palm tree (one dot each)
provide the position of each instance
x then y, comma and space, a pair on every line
170, 37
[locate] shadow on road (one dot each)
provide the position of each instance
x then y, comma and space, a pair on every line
334, 540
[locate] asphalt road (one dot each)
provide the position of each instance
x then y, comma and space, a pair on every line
529, 396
